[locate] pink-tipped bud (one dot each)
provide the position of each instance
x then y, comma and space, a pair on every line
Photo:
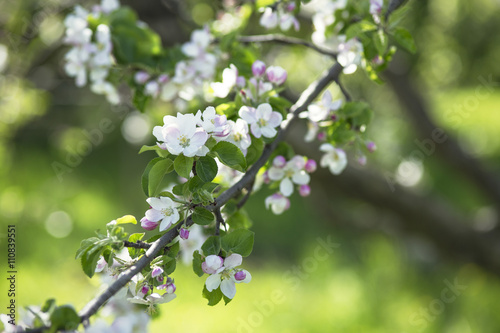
141, 77
276, 75
266, 178
163, 79
304, 190
184, 233
321, 136
279, 161
362, 160
311, 165
378, 60
258, 68
156, 271
147, 224
240, 81
171, 288
144, 289
160, 278
371, 146
290, 7
333, 117
240, 276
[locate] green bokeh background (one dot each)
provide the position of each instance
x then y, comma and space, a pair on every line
377, 280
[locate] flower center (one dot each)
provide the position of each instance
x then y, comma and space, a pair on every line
184, 141
237, 137
262, 122
167, 211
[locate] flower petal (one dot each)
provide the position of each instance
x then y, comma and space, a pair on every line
233, 260
153, 215
286, 187
213, 282
228, 288
301, 178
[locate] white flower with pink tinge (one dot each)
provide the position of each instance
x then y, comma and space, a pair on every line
213, 123
223, 273
278, 203
335, 159
262, 120
181, 136
162, 209
320, 111
289, 173
238, 135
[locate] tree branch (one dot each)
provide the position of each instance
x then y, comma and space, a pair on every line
305, 99
281, 39
138, 245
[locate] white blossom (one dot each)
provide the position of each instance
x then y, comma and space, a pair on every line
335, 159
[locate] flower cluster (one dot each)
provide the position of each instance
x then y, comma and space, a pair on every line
190, 74
223, 273
163, 212
91, 53
143, 294
287, 173
320, 114
281, 14
263, 80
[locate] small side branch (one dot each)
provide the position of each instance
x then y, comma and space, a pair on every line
218, 221
137, 245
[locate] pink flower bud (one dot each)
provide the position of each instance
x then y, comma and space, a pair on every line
321, 136
240, 81
147, 224
184, 233
240, 276
362, 160
156, 271
371, 146
160, 278
171, 288
266, 178
304, 190
258, 68
310, 165
279, 161
141, 77
290, 7
333, 117
144, 289
162, 79
276, 75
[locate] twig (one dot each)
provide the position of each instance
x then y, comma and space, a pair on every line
281, 39
138, 245
343, 90
243, 201
305, 99
218, 221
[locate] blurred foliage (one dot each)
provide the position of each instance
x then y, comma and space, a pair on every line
374, 282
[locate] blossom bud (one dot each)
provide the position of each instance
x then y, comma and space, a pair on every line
240, 81
156, 271
290, 7
310, 165
378, 60
333, 117
151, 88
211, 264
141, 77
258, 68
279, 161
276, 75
266, 178
371, 146
170, 288
240, 276
144, 289
362, 160
321, 136
304, 190
160, 278
147, 224
184, 233
162, 79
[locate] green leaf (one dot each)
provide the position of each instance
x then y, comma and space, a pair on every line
48, 305
64, 317
158, 150
211, 246
169, 267
213, 296
254, 151
126, 219
206, 168
195, 183
239, 220
156, 175
239, 241
179, 189
85, 245
197, 263
183, 165
404, 38
381, 42
226, 299
230, 155
133, 252
280, 104
358, 29
145, 174
205, 196
202, 216
89, 261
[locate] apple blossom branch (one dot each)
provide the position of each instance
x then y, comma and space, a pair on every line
281, 39
308, 96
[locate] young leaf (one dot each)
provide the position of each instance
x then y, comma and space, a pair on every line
211, 246
197, 263
126, 219
133, 252
404, 38
65, 318
230, 155
206, 168
156, 175
213, 296
254, 151
89, 261
183, 165
145, 174
381, 42
239, 241
202, 216
170, 266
